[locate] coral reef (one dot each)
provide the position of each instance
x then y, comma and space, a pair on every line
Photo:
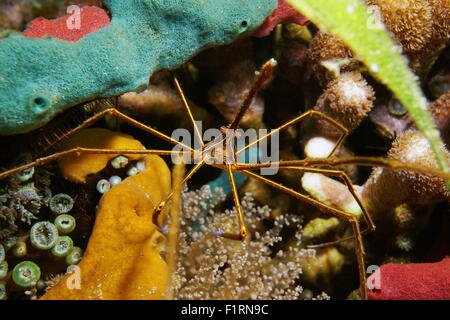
162, 102
410, 21
440, 109
233, 82
409, 187
88, 212
28, 202
390, 117
419, 27
21, 199
67, 3
348, 100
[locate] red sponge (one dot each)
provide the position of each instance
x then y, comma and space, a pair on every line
416, 281
284, 13
71, 27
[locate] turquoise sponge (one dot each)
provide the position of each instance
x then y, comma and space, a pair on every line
41, 77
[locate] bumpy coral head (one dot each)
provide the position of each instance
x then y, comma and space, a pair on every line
412, 147
409, 20
347, 99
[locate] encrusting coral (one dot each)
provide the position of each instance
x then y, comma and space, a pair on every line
415, 281
122, 260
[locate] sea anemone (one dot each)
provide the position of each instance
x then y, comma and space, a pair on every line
211, 267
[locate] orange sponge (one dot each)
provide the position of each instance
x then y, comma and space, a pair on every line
122, 260
77, 167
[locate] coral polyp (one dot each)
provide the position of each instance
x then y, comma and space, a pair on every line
65, 224
43, 235
61, 203
63, 247
74, 256
3, 270
26, 273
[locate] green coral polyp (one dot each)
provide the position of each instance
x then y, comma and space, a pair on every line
20, 249
43, 235
26, 273
75, 256
26, 174
3, 295
61, 203
3, 269
39, 78
63, 246
2, 253
65, 224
